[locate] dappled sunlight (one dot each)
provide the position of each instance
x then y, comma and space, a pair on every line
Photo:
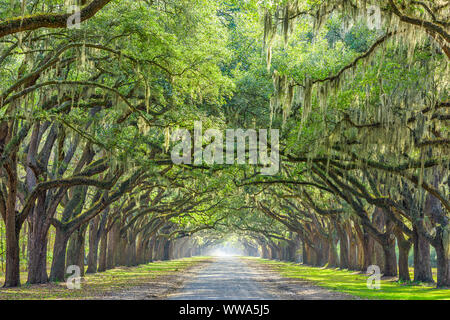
356, 284
99, 284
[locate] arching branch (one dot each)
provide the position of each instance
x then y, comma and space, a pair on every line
34, 22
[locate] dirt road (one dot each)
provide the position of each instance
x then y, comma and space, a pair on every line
233, 278
225, 279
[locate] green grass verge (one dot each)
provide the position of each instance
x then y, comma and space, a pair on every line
356, 284
98, 284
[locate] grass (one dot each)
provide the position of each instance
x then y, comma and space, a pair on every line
356, 284
98, 284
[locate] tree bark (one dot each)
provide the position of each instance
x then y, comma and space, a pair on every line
291, 251
140, 250
75, 250
150, 248
441, 244
166, 255
37, 253
34, 22
131, 252
12, 230
332, 254
93, 245
390, 258
404, 246
113, 245
264, 251
343, 245
368, 243
353, 259
304, 253
121, 253
103, 252
58, 270
422, 259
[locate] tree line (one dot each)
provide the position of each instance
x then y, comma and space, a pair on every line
87, 113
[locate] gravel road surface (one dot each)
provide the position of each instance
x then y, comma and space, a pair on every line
234, 278
227, 278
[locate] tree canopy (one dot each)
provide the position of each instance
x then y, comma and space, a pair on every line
358, 89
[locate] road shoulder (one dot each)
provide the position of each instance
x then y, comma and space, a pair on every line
292, 289
161, 287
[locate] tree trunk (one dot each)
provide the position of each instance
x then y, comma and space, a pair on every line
441, 242
390, 257
304, 253
368, 243
93, 245
403, 267
140, 250
12, 272
112, 248
37, 253
323, 253
151, 245
75, 250
264, 251
291, 251
360, 252
442, 246
131, 253
404, 246
353, 260
12, 230
58, 270
312, 256
273, 252
422, 258
166, 255
378, 255
343, 245
121, 253
332, 254
378, 220
103, 250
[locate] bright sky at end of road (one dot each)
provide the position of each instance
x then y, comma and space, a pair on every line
221, 253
